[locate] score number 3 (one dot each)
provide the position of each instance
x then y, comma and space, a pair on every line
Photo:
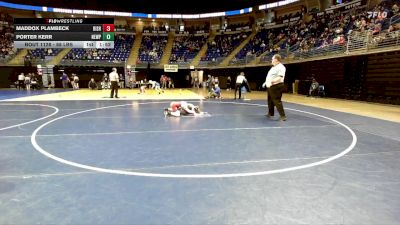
108, 27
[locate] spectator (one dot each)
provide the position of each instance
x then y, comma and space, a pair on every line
313, 87
64, 79
170, 83
21, 81
228, 83
76, 82
92, 85
215, 92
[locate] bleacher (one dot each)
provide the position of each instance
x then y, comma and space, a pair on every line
7, 50
152, 48
41, 53
122, 47
185, 48
223, 45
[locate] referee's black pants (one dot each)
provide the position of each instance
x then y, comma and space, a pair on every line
275, 99
114, 87
238, 86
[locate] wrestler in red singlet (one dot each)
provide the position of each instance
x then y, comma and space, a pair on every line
175, 106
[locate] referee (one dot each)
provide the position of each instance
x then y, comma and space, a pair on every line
114, 83
275, 87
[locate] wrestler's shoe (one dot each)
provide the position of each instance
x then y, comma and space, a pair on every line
166, 112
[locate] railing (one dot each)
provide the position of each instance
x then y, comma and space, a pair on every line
213, 63
40, 61
7, 58
357, 43
67, 62
394, 19
367, 42
153, 64
248, 59
182, 63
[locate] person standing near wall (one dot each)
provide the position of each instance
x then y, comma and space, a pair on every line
228, 83
76, 81
239, 84
21, 81
65, 80
313, 88
275, 86
114, 79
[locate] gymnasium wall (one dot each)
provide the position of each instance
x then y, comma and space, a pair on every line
374, 77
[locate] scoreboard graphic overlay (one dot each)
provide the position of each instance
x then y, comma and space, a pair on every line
64, 33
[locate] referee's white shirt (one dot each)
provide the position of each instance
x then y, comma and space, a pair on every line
278, 70
240, 79
114, 76
21, 77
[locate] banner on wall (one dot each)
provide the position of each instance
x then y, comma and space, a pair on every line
170, 68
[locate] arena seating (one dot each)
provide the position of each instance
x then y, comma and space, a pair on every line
7, 49
122, 47
152, 48
185, 48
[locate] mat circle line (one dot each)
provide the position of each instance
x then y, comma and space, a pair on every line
32, 121
166, 175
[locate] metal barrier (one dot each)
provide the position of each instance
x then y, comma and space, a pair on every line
248, 59
213, 63
394, 19
357, 43
67, 62
367, 42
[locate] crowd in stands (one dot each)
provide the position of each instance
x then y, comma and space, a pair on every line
152, 48
41, 53
223, 45
333, 29
154, 28
256, 45
315, 31
6, 36
122, 47
289, 16
234, 26
125, 28
186, 48
312, 30
88, 54
195, 29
